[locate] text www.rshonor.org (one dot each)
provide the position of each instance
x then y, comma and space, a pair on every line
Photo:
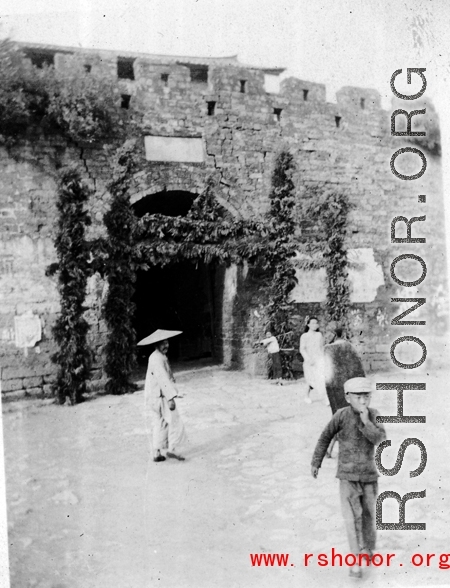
336, 559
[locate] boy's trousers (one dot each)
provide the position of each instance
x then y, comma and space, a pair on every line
358, 500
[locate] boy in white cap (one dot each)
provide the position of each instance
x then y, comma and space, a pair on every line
358, 434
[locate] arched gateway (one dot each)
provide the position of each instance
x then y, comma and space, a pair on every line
183, 296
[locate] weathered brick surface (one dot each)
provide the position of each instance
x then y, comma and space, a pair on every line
12, 385
344, 145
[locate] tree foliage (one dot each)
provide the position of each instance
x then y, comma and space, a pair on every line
81, 106
73, 356
23, 95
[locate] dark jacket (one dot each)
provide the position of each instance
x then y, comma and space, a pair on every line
342, 363
356, 444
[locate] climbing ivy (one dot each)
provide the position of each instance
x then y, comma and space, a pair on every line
120, 270
325, 216
206, 233
73, 356
281, 249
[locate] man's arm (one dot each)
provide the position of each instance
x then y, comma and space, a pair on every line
324, 440
162, 376
373, 431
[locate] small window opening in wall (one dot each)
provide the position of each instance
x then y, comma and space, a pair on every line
243, 87
338, 121
165, 78
87, 68
277, 113
199, 73
305, 95
362, 102
40, 59
211, 108
125, 69
125, 101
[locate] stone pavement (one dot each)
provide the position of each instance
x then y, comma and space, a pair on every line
88, 508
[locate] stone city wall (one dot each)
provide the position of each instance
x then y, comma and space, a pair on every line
233, 130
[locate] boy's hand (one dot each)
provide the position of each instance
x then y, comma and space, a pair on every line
364, 414
314, 471
171, 404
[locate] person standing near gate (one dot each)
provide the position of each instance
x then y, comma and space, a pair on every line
311, 349
273, 349
342, 363
159, 394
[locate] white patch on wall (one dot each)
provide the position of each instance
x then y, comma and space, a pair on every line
365, 277
310, 287
177, 149
28, 329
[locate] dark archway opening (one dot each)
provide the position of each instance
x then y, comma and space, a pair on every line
182, 296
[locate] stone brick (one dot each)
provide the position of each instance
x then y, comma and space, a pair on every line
14, 395
34, 392
11, 385
32, 382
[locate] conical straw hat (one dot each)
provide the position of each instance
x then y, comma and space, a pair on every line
159, 335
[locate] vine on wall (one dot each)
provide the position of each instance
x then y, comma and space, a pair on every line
120, 270
326, 212
73, 356
281, 250
206, 234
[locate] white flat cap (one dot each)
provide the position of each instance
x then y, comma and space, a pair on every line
358, 386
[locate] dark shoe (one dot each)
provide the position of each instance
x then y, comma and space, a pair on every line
175, 456
159, 458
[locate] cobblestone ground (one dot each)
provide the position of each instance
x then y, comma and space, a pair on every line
88, 508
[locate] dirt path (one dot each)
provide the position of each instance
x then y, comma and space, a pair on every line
87, 508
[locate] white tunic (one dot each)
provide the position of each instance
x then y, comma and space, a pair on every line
271, 344
167, 427
311, 348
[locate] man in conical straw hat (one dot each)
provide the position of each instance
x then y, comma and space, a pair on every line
159, 393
